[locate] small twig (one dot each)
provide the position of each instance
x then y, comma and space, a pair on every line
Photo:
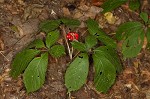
76, 54
64, 34
4, 56
84, 32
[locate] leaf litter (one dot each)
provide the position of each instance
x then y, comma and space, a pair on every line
133, 82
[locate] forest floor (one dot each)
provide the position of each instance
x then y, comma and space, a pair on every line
19, 21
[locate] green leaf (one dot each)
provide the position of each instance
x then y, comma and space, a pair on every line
107, 41
78, 45
144, 16
57, 50
49, 25
21, 61
148, 34
110, 5
93, 27
148, 38
133, 44
38, 43
105, 72
94, 30
70, 22
77, 73
34, 75
134, 4
148, 22
111, 55
90, 41
131, 33
127, 29
52, 37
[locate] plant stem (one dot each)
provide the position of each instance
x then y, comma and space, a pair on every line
64, 34
4, 56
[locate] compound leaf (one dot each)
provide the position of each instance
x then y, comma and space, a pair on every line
78, 45
134, 4
105, 71
49, 25
132, 35
90, 41
34, 75
57, 51
94, 30
52, 37
21, 61
77, 73
110, 5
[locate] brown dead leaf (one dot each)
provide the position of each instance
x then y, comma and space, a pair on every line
21, 2
97, 2
136, 64
84, 8
1, 1
32, 11
66, 11
21, 33
145, 43
77, 15
129, 74
148, 94
1, 44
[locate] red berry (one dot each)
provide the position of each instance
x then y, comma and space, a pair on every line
72, 36
76, 35
68, 36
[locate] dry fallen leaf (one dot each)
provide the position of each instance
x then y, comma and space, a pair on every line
97, 2
21, 2
1, 1
111, 19
1, 44
66, 11
145, 43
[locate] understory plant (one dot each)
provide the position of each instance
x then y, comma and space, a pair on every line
33, 60
105, 60
132, 35
97, 50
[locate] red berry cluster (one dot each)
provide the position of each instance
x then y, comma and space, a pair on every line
72, 36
